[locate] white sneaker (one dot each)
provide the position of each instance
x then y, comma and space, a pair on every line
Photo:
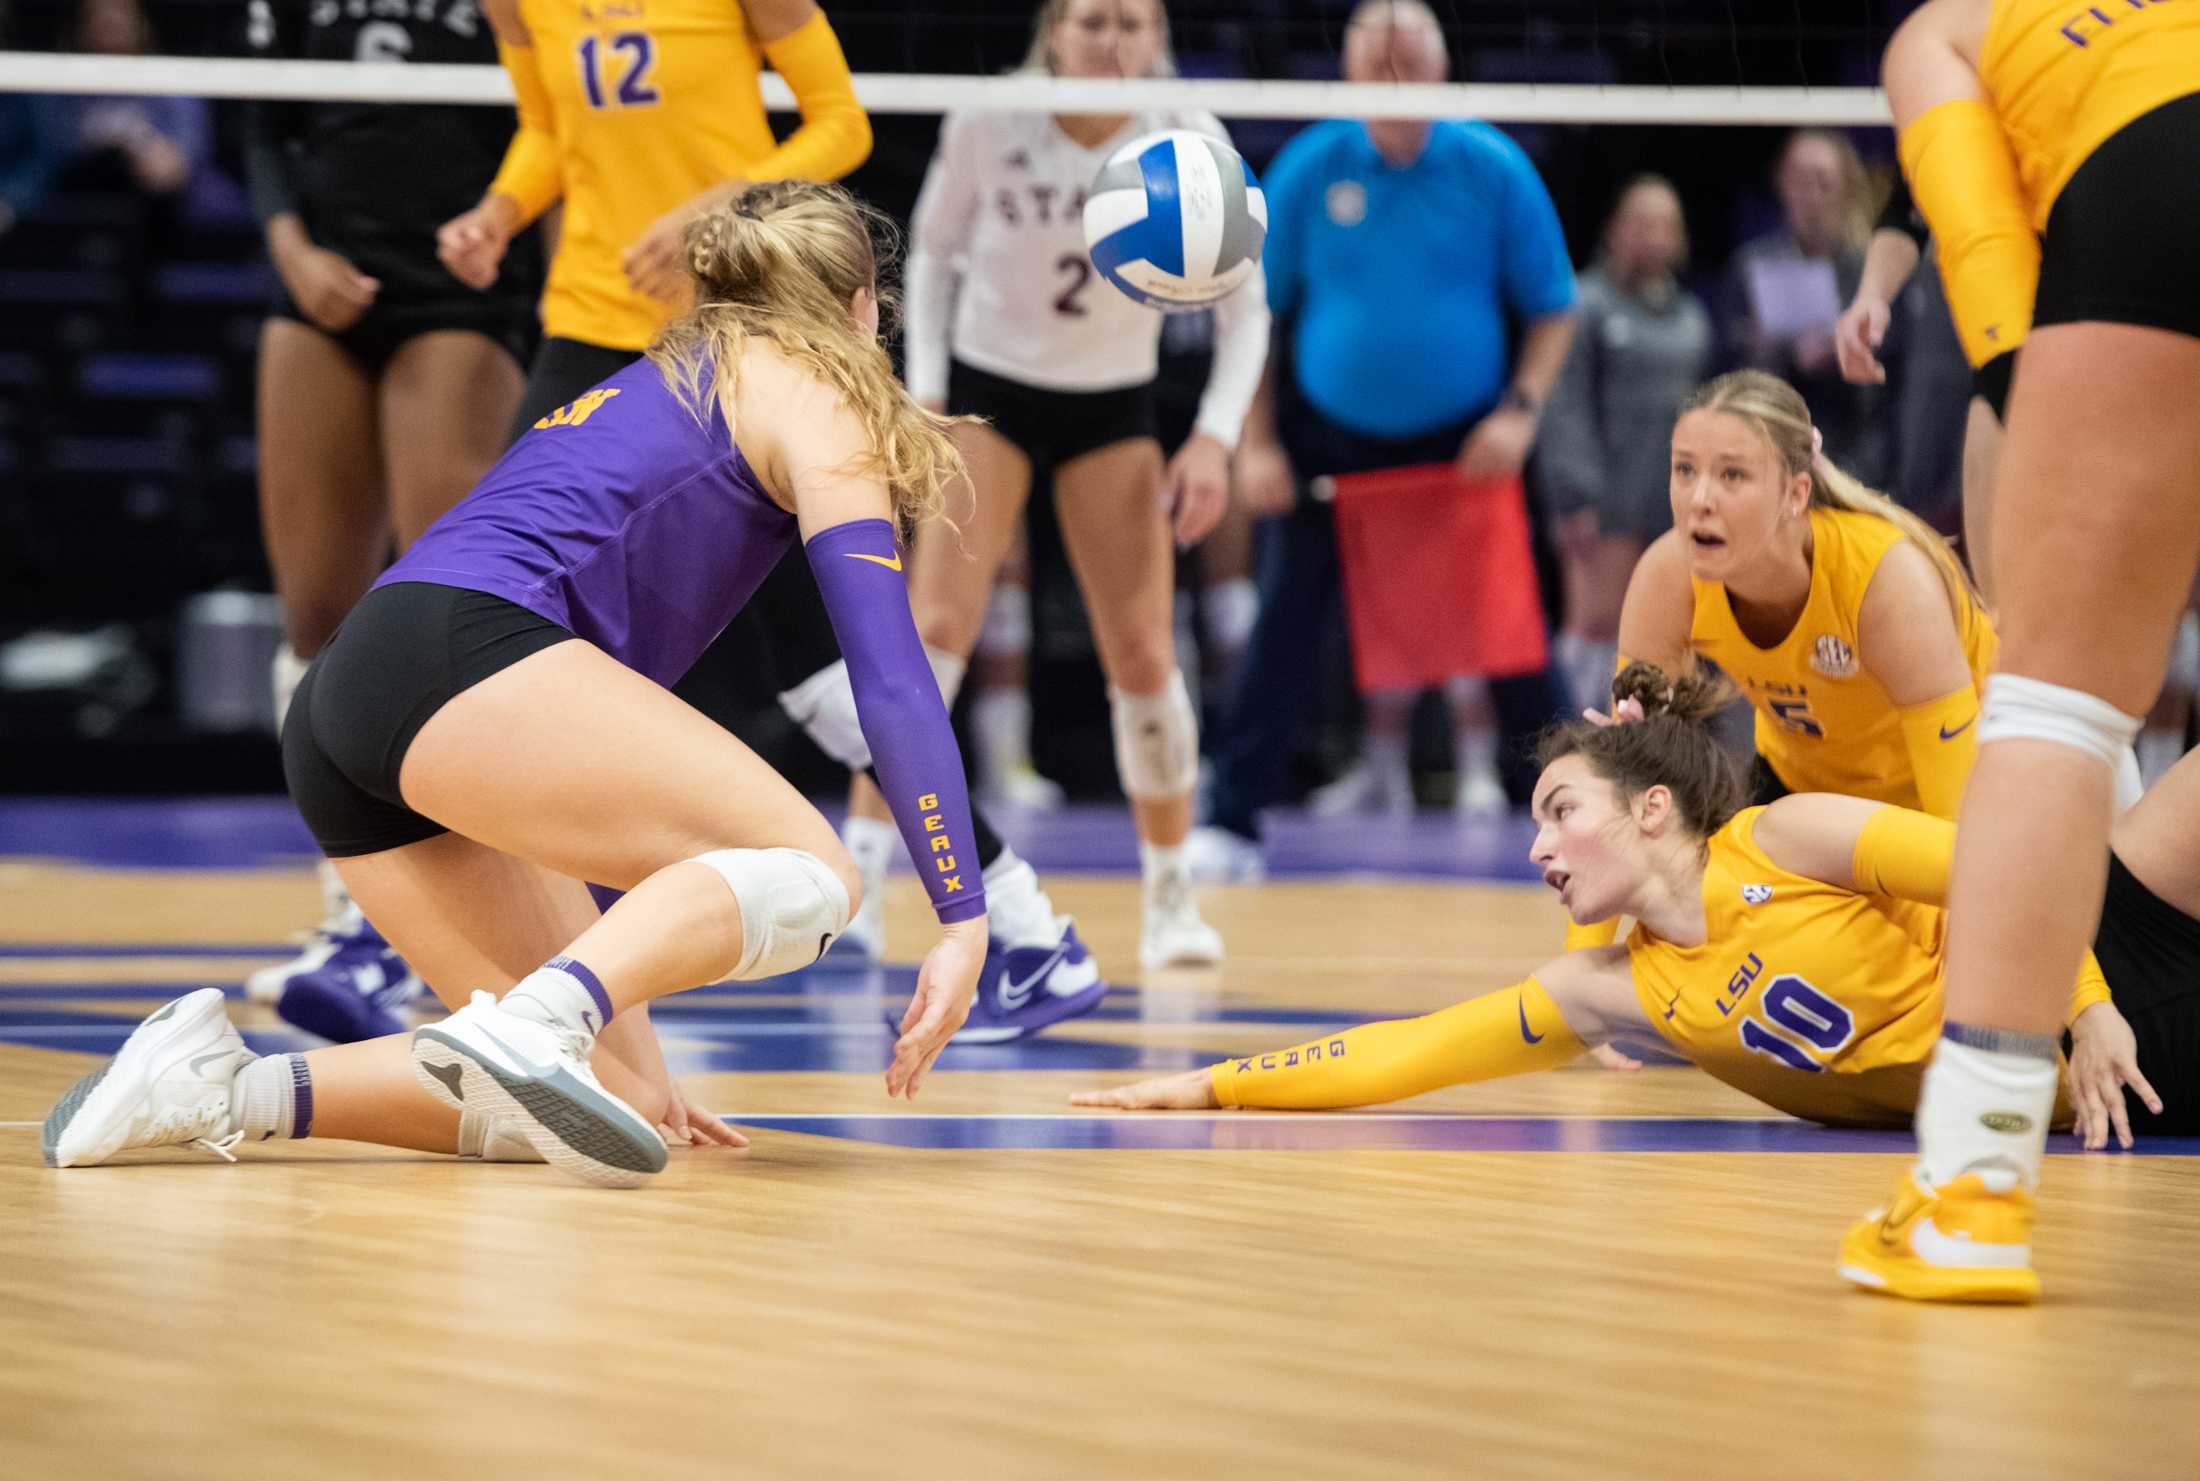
1024, 790
169, 1085
1172, 934
1364, 790
484, 1059
1482, 795
866, 933
1218, 856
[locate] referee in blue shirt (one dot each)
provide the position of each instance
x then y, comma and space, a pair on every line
1402, 258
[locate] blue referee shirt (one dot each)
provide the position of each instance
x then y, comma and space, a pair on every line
1396, 283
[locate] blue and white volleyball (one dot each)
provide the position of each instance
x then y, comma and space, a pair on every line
1176, 220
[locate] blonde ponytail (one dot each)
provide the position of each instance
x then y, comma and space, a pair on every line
1777, 410
782, 262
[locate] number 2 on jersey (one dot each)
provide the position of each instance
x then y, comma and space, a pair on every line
1079, 268
634, 90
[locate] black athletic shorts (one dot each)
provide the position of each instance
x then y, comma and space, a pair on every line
386, 326
399, 656
2149, 951
1052, 427
2124, 236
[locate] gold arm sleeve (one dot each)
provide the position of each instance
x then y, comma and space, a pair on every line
1964, 176
1906, 855
1508, 1032
2092, 988
835, 135
531, 174
1941, 736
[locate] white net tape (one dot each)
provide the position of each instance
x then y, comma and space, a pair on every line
883, 92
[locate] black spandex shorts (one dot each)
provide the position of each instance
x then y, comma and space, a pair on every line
385, 327
400, 655
563, 369
1052, 427
2149, 951
2124, 235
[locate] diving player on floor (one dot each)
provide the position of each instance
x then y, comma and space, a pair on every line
490, 727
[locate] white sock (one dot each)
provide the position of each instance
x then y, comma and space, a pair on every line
335, 899
1162, 866
1474, 753
1985, 1111
493, 1138
563, 994
1018, 912
1388, 764
872, 841
1000, 724
273, 1097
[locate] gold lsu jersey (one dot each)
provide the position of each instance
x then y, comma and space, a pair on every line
628, 108
2064, 76
1823, 723
1813, 999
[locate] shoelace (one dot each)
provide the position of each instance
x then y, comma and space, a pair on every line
575, 1044
193, 1126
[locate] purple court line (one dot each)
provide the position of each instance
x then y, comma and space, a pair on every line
264, 832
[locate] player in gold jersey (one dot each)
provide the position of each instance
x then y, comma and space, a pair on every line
640, 116
2051, 148
1794, 951
1842, 617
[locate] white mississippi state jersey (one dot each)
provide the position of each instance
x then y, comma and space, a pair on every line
999, 276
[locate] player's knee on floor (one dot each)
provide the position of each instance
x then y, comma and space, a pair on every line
2018, 708
1156, 741
793, 904
824, 705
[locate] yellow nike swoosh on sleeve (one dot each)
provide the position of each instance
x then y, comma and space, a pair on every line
890, 562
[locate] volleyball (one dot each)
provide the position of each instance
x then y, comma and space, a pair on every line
1175, 220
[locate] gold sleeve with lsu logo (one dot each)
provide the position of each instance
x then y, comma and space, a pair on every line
1823, 723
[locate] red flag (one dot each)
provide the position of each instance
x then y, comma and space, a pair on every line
1439, 577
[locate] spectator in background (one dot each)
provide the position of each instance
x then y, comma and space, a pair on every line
155, 145
1642, 343
1785, 292
1397, 250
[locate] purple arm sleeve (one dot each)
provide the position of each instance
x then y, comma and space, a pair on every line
920, 770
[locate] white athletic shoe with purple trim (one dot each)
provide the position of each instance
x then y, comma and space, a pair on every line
168, 1086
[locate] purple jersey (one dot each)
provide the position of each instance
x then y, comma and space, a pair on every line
621, 517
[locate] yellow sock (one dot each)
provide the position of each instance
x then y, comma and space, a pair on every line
1509, 1032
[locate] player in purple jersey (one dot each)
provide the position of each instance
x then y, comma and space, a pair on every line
489, 728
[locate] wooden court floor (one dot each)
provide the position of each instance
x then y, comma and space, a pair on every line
990, 1288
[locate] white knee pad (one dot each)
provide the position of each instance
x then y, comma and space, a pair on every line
792, 906
289, 670
824, 705
2018, 708
1007, 629
1156, 741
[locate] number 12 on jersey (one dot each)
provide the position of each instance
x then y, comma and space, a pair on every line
639, 54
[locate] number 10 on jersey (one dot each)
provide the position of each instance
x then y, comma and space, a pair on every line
632, 54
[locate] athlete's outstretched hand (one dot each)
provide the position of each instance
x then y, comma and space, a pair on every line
945, 985
472, 244
1194, 1090
1856, 335
687, 1124
2104, 1058
1197, 485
